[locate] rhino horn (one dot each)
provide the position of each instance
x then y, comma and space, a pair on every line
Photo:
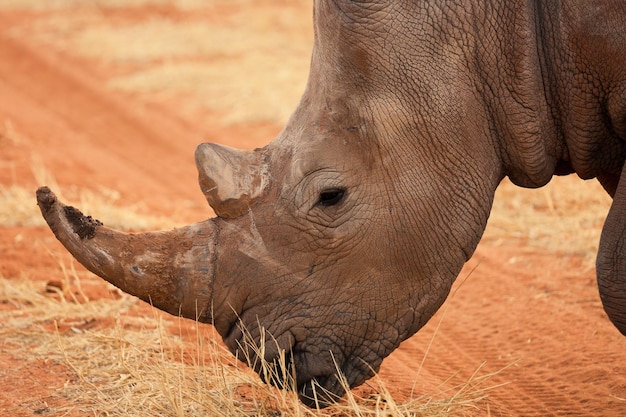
172, 270
231, 179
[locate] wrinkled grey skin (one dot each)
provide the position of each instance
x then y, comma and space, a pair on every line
342, 237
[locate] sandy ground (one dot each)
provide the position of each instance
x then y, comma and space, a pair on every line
72, 109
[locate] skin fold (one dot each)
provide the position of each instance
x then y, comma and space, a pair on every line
342, 237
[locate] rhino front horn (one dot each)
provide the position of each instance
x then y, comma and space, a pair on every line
231, 179
172, 270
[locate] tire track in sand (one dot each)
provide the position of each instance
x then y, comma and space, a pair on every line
535, 314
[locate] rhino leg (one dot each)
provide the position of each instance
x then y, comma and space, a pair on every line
611, 262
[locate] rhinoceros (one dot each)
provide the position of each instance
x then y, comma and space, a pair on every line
342, 237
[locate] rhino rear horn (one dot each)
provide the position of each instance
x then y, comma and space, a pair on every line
231, 179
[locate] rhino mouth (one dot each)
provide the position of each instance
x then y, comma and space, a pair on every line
321, 392
318, 378
316, 388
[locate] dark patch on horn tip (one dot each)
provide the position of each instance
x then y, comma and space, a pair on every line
45, 198
83, 226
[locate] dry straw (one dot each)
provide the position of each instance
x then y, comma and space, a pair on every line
160, 365
565, 217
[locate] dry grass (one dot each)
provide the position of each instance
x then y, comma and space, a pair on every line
163, 366
51, 5
564, 217
18, 206
248, 66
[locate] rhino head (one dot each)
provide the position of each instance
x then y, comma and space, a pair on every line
342, 237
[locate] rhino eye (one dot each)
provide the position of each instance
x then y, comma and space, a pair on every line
331, 197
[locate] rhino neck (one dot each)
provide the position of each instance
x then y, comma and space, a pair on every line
582, 56
513, 76
550, 81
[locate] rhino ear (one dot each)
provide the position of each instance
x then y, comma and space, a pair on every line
231, 179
